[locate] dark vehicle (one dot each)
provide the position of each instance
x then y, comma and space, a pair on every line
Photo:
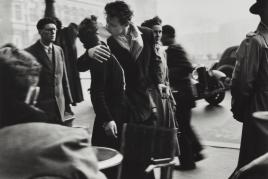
209, 84
227, 61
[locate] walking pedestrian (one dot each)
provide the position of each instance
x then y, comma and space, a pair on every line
179, 71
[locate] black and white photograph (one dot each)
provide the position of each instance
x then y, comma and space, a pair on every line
134, 89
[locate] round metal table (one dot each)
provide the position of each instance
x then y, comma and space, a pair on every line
107, 157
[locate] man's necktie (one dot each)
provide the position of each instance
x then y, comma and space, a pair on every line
49, 51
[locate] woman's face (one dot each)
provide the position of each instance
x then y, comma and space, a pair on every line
114, 26
157, 30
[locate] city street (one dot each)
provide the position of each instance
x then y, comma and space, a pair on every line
215, 124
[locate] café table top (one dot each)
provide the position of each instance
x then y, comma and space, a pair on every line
107, 157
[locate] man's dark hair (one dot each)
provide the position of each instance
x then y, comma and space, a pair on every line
119, 9
151, 22
58, 22
44, 21
169, 31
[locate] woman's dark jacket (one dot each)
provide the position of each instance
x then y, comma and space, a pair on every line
141, 74
107, 95
107, 85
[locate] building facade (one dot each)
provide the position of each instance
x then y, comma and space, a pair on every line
18, 17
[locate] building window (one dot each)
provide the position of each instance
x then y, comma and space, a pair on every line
17, 39
33, 10
18, 15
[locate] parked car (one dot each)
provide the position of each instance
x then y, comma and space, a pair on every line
227, 61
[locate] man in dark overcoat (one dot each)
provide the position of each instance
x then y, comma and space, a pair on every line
53, 83
250, 89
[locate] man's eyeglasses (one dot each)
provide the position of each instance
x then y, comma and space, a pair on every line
51, 30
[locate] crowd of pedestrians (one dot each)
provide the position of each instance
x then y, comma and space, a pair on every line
139, 75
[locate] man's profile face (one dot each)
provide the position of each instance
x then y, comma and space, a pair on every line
114, 26
48, 33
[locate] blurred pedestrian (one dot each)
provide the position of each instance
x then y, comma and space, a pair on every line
54, 87
249, 88
180, 69
19, 75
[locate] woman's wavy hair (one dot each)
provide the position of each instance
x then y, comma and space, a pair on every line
119, 9
151, 22
88, 26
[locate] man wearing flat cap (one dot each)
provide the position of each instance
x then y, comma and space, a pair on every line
250, 90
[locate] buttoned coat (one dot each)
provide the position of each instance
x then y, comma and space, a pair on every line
250, 87
54, 87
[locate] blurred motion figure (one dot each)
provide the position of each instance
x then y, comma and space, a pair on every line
179, 70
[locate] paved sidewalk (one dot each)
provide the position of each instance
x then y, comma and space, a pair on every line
218, 164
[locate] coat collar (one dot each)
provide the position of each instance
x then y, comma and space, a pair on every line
263, 31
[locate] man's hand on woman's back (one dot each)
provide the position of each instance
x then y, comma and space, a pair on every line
100, 53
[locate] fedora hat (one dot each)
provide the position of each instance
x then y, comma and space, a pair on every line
257, 6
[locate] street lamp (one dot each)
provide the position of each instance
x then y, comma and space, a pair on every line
50, 8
